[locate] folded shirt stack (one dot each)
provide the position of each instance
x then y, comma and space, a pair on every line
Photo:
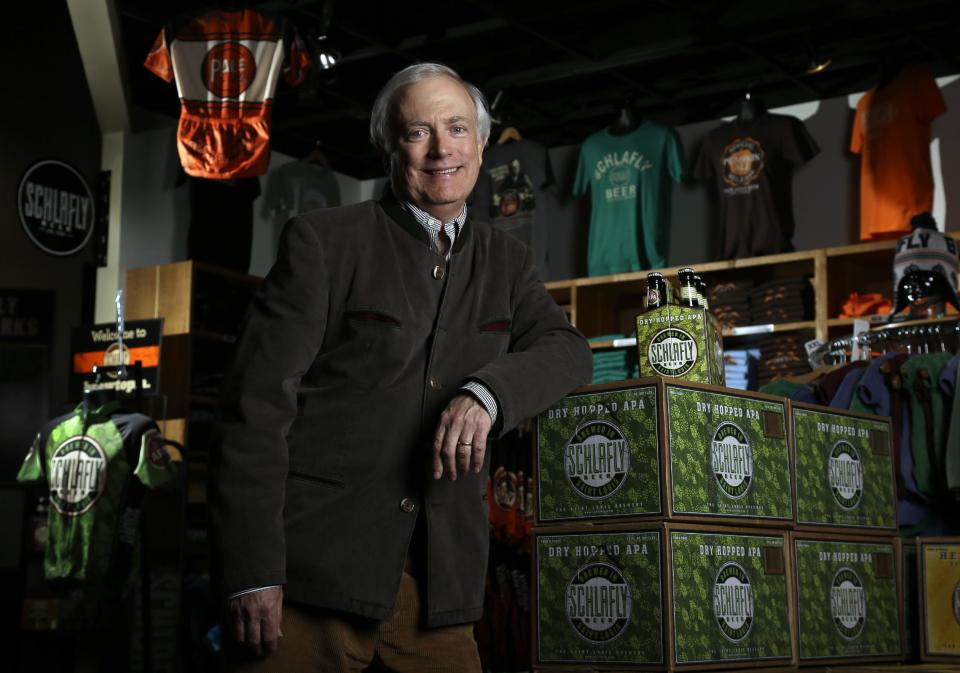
782, 300
781, 355
730, 302
740, 368
614, 364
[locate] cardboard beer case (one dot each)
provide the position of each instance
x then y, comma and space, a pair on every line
658, 449
661, 597
846, 593
844, 471
680, 342
938, 560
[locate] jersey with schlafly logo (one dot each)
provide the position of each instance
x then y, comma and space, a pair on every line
86, 459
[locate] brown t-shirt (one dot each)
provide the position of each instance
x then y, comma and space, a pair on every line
752, 166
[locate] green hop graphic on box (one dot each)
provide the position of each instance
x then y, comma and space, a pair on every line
844, 608
841, 481
599, 598
721, 461
726, 606
598, 455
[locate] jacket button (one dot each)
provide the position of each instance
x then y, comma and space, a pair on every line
407, 505
435, 383
438, 272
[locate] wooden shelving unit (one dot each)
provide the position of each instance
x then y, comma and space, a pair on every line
202, 307
607, 304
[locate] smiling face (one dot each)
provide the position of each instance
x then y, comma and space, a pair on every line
438, 153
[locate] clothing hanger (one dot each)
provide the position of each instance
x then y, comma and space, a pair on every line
99, 392
750, 108
508, 134
316, 156
629, 118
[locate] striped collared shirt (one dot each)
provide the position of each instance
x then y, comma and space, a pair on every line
432, 225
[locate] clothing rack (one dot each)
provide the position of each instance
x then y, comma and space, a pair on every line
915, 339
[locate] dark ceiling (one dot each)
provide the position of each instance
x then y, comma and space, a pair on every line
561, 71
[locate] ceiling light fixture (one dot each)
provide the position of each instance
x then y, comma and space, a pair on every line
327, 57
814, 66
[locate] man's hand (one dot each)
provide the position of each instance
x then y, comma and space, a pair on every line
460, 442
254, 620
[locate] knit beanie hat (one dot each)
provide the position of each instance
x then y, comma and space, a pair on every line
926, 250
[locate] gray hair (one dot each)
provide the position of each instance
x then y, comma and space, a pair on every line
382, 136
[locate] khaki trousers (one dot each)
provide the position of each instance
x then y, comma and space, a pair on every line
321, 641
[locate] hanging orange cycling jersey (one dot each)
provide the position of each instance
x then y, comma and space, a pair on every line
892, 131
227, 65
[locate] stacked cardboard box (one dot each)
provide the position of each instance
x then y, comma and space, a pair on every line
938, 568
846, 563
667, 532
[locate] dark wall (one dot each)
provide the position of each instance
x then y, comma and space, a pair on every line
49, 115
826, 191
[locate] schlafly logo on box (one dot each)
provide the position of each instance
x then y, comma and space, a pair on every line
848, 603
732, 460
599, 602
845, 472
672, 352
597, 459
733, 602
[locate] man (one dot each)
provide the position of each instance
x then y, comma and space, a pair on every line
385, 344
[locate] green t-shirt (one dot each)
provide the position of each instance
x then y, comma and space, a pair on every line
87, 471
928, 422
629, 178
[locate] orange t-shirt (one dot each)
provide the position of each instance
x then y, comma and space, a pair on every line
892, 132
227, 65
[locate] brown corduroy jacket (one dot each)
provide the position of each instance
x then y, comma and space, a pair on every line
356, 341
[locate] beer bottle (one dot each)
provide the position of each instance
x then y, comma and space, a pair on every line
656, 291
688, 288
702, 292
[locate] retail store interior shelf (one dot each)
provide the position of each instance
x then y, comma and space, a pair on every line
608, 304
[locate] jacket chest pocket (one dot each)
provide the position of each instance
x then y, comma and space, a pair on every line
376, 344
490, 340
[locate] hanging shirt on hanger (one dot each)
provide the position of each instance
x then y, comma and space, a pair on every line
227, 66
511, 193
297, 187
953, 439
86, 459
891, 130
921, 383
752, 165
629, 178
881, 392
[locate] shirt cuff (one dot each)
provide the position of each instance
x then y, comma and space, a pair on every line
250, 591
482, 393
